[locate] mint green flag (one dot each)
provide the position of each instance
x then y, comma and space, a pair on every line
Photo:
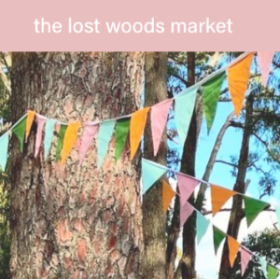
4, 145
184, 105
105, 133
277, 211
218, 238
210, 93
19, 131
271, 272
150, 174
252, 208
201, 226
49, 129
122, 129
60, 141
263, 265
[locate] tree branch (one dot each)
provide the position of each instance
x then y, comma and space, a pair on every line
226, 163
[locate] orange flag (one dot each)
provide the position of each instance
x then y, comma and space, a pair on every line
30, 118
167, 195
238, 77
233, 247
219, 197
69, 139
137, 125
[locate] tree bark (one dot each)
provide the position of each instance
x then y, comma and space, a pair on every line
154, 219
237, 213
70, 221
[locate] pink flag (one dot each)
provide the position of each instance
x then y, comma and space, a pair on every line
186, 186
89, 133
158, 120
185, 212
245, 259
40, 125
265, 60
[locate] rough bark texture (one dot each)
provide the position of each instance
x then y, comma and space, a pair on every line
237, 213
188, 167
68, 221
154, 219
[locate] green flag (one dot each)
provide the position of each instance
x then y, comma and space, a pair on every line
271, 272
201, 226
218, 238
252, 209
19, 131
210, 93
60, 140
122, 128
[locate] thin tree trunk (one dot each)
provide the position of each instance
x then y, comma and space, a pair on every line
237, 213
154, 220
68, 221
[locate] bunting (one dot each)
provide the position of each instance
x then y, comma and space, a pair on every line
40, 126
252, 208
263, 263
211, 91
150, 174
233, 246
184, 105
19, 131
201, 226
186, 211
159, 115
245, 259
265, 60
88, 135
271, 272
122, 129
219, 196
69, 140
30, 118
49, 130
218, 236
60, 140
238, 78
4, 146
277, 211
137, 125
167, 195
104, 137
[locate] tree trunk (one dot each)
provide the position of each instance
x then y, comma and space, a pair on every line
154, 219
71, 221
237, 213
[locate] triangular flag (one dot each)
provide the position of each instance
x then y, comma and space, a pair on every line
185, 212
277, 211
219, 196
238, 77
88, 135
30, 118
122, 129
49, 129
218, 236
137, 125
252, 209
159, 115
150, 174
19, 131
271, 272
104, 137
184, 105
245, 259
211, 91
201, 226
263, 263
265, 60
69, 139
233, 246
186, 186
4, 146
167, 195
60, 140
40, 126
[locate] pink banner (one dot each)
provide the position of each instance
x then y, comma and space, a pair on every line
265, 60
40, 126
245, 259
185, 212
93, 25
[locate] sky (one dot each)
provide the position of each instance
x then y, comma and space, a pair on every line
221, 175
